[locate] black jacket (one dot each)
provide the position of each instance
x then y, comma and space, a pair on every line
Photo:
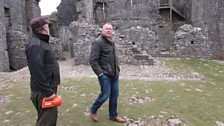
43, 66
103, 57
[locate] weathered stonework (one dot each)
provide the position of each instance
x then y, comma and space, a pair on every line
136, 45
32, 10
190, 42
81, 36
56, 35
208, 15
126, 13
54, 25
129, 15
14, 21
67, 11
16, 49
4, 59
143, 28
129, 43
57, 47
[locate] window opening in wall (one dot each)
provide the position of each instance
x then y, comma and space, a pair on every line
100, 11
8, 16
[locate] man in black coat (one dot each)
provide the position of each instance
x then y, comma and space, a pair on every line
44, 71
104, 62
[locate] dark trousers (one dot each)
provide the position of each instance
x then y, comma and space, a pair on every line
46, 116
109, 89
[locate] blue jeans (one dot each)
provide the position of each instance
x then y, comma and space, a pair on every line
109, 89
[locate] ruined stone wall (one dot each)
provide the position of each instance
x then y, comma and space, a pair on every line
4, 60
16, 30
140, 30
16, 41
55, 24
89, 11
67, 11
190, 42
221, 25
15, 15
126, 13
57, 47
32, 10
81, 35
144, 38
207, 14
135, 45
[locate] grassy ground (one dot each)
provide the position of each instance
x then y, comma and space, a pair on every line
196, 103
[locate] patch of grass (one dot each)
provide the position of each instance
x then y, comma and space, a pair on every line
198, 103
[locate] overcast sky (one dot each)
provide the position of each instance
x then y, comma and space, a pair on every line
48, 6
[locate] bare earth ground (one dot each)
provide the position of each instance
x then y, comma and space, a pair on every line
128, 72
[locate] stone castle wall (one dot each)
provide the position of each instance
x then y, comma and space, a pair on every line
141, 29
4, 59
129, 43
208, 15
14, 25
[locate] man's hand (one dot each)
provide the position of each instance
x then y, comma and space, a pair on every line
50, 97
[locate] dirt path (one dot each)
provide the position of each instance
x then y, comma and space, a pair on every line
128, 72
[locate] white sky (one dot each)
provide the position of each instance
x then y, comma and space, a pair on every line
48, 6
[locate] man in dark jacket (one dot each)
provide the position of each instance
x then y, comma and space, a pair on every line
104, 62
44, 71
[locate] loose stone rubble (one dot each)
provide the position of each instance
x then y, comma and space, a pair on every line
139, 100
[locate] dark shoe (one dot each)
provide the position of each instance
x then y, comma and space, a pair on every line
118, 119
94, 117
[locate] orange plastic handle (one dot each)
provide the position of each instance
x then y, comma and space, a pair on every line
57, 101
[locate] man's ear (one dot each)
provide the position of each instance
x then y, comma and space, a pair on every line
46, 26
46, 29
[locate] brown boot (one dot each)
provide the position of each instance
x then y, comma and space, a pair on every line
118, 119
94, 117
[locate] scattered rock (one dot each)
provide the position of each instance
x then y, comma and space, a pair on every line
174, 122
134, 122
139, 100
3, 100
6, 121
219, 123
199, 90
164, 120
82, 95
74, 105
71, 88
8, 112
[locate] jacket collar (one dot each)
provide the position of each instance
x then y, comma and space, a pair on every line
105, 38
42, 37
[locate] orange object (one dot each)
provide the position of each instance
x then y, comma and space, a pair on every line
57, 101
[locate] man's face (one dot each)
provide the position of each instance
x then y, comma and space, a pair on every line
107, 30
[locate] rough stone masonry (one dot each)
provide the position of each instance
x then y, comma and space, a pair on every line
143, 29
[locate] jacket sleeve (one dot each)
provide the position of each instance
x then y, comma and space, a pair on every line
94, 58
35, 59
